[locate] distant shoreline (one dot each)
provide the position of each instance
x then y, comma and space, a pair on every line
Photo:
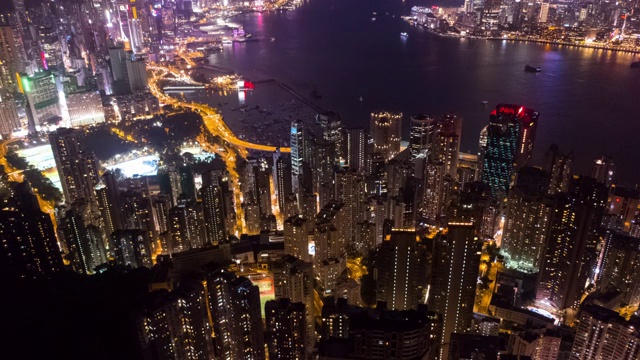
539, 41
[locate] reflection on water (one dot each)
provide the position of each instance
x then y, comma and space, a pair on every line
583, 95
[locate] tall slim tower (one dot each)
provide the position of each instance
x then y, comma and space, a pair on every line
213, 210
510, 137
298, 157
356, 151
386, 130
455, 276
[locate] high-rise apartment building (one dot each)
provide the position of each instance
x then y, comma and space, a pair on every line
234, 303
9, 120
296, 237
350, 191
456, 259
570, 255
386, 131
401, 269
29, 245
604, 334
131, 248
281, 179
183, 227
510, 137
558, 166
12, 55
213, 212
285, 329
293, 279
109, 203
528, 214
175, 325
356, 149
78, 168
85, 246
620, 268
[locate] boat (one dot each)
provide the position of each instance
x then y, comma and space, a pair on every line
534, 69
227, 41
361, 99
404, 34
273, 39
373, 19
635, 64
484, 102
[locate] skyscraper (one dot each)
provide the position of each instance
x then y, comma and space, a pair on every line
30, 247
570, 254
86, 250
281, 179
109, 204
456, 261
331, 124
510, 136
234, 304
213, 211
528, 214
285, 333
293, 279
446, 145
401, 270
77, 167
386, 130
423, 127
350, 192
356, 149
298, 156
183, 227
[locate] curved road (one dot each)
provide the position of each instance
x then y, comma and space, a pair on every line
213, 121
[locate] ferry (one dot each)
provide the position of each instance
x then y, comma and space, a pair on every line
534, 69
227, 41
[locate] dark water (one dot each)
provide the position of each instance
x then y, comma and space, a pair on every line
589, 100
